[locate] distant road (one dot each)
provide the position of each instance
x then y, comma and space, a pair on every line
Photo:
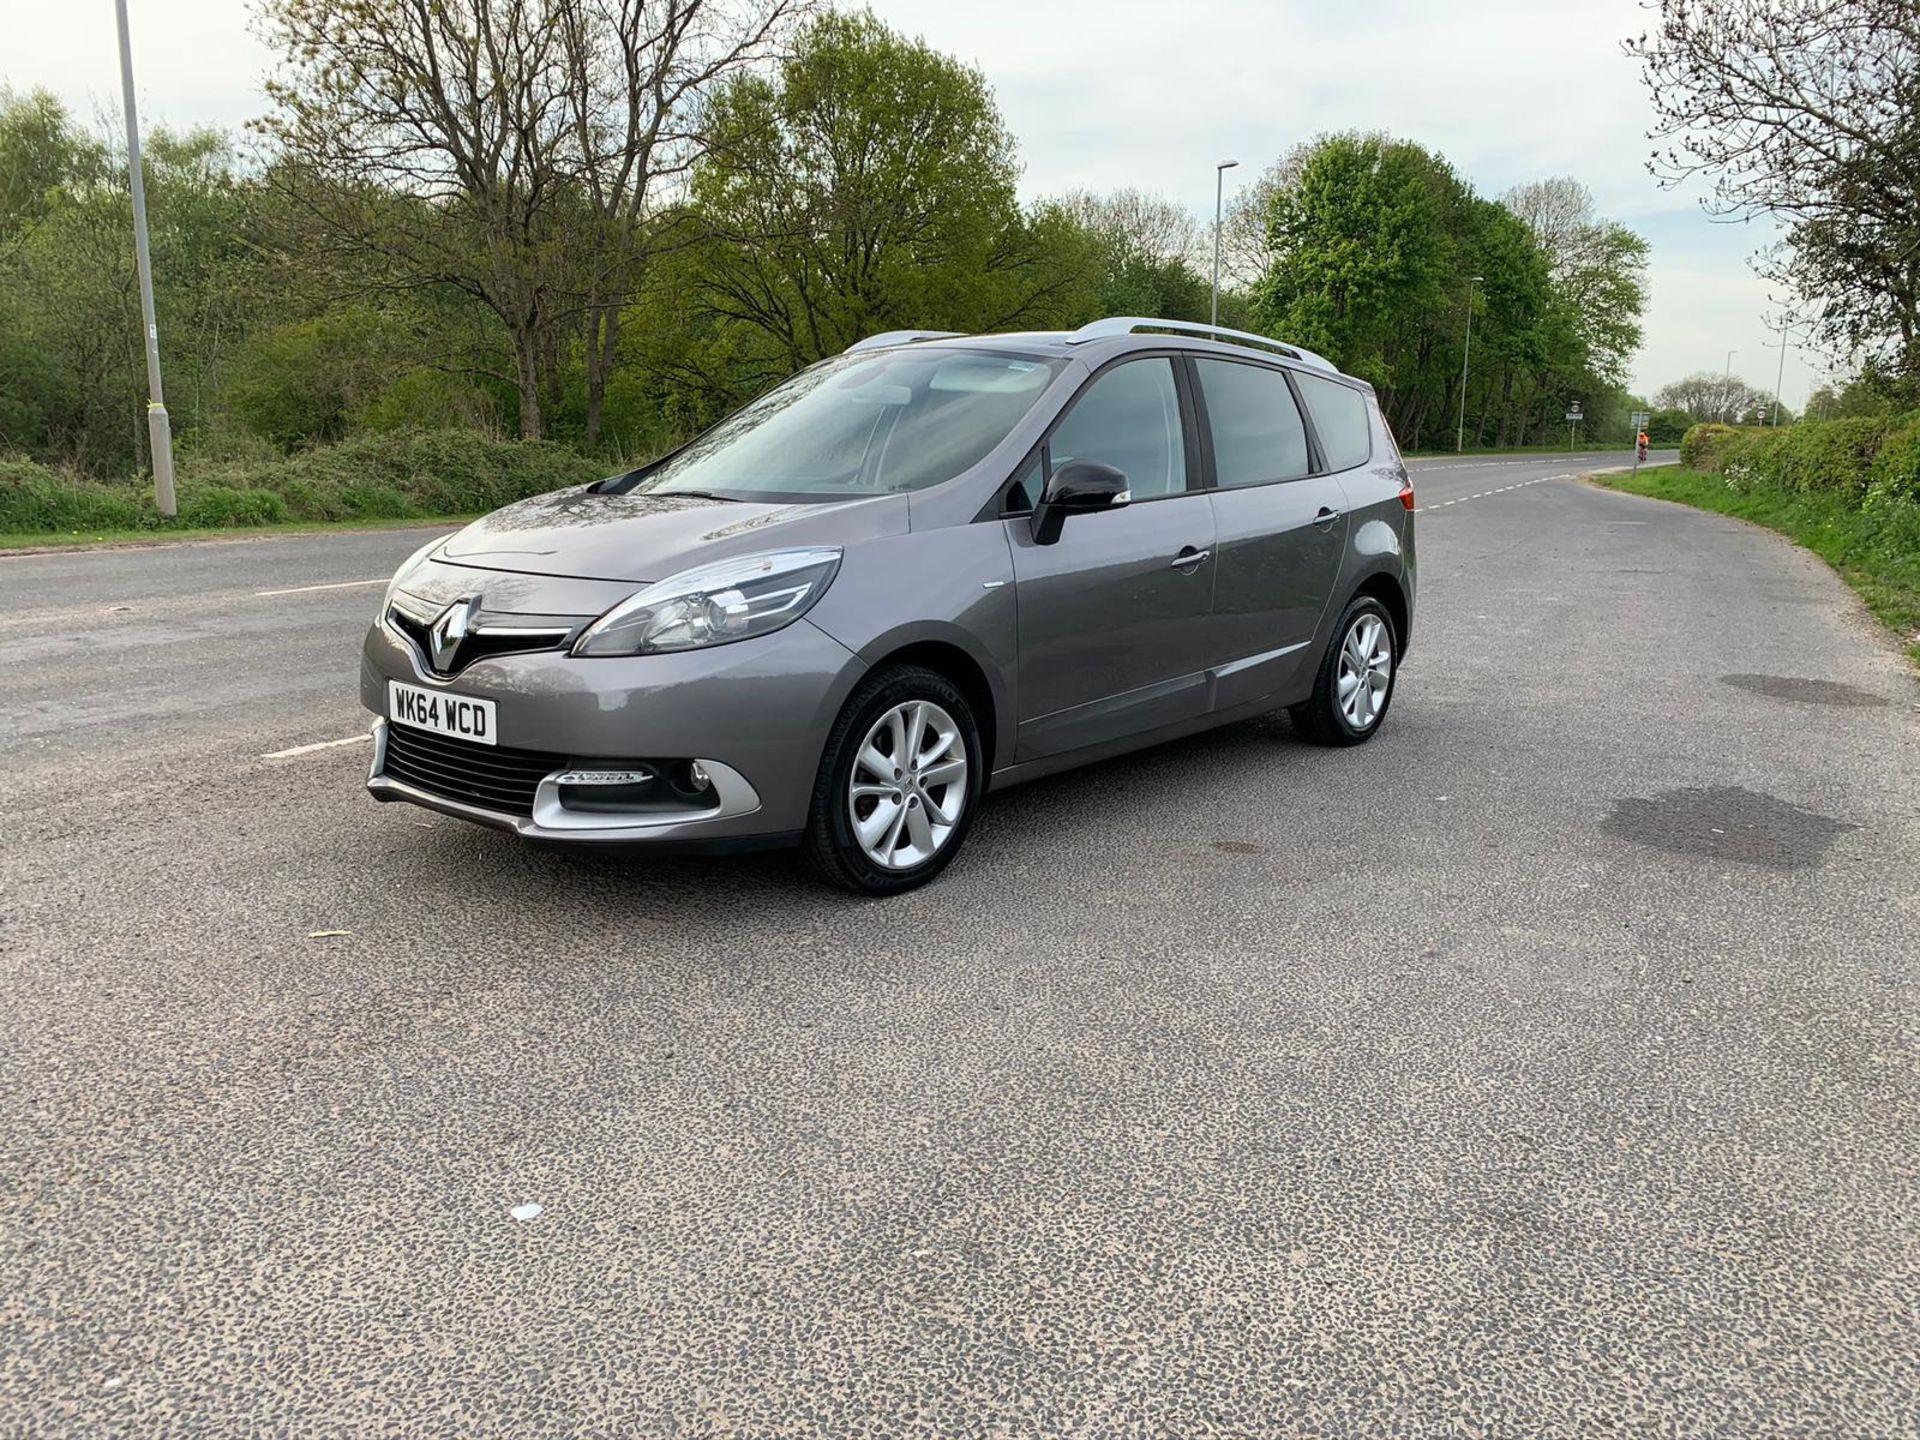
1543, 1065
133, 649
1439, 479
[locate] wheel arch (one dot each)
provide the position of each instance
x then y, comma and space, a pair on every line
1385, 587
959, 665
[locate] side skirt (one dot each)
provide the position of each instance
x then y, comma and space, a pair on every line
1146, 739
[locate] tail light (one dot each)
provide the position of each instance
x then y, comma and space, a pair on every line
1406, 491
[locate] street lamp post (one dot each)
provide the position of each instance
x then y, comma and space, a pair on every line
1726, 388
1219, 190
159, 432
1780, 375
1466, 355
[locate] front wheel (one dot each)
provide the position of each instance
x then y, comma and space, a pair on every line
1354, 685
898, 780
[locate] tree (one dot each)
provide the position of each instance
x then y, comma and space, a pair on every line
867, 185
1599, 269
1363, 247
72, 370
634, 73
1373, 251
1809, 111
1707, 396
509, 149
1146, 244
39, 151
1667, 426
1138, 223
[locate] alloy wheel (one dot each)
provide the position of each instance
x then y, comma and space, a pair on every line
909, 785
1366, 670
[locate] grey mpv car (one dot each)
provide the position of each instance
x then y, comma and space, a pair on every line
927, 567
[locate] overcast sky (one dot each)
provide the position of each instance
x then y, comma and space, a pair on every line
1151, 93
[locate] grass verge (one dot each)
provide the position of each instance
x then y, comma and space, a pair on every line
1875, 549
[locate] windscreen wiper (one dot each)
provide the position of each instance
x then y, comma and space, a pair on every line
694, 495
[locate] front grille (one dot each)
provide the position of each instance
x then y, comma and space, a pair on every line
494, 777
483, 643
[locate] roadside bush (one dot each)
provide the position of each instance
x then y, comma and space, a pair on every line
1700, 446
1895, 473
1847, 458
219, 506
1830, 455
402, 475
35, 497
1666, 427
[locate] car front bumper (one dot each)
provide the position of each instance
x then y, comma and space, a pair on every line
755, 714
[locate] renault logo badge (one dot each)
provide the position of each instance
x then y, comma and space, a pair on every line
456, 622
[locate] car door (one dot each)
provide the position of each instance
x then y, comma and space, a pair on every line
1113, 615
1280, 529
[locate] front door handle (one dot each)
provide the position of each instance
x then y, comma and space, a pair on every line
1189, 558
1327, 516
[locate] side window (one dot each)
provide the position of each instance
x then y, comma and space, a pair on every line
1129, 418
1340, 420
1258, 435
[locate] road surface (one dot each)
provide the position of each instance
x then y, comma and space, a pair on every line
1545, 1067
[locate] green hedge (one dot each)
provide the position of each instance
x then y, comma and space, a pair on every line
1699, 447
1866, 461
415, 474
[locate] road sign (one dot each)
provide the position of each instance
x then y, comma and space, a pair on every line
1573, 412
1639, 420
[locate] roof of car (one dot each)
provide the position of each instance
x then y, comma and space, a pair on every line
1103, 338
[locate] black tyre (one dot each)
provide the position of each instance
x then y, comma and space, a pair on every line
1354, 685
899, 779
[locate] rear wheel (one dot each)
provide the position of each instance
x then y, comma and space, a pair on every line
897, 785
1354, 685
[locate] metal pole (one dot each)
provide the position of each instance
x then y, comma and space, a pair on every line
1219, 191
1726, 388
1466, 354
1780, 376
159, 432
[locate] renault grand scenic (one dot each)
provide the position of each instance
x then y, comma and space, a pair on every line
929, 567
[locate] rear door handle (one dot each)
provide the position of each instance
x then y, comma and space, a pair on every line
1327, 516
1189, 558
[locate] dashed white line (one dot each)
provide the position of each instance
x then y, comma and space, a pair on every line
317, 745
1462, 499
336, 585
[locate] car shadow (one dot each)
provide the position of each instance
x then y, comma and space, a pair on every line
1076, 807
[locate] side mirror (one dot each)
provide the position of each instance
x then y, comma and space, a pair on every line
1078, 488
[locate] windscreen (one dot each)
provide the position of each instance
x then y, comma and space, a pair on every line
860, 425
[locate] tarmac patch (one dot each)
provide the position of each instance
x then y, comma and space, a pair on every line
1725, 822
1806, 692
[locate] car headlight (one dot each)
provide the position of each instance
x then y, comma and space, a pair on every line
406, 568
714, 604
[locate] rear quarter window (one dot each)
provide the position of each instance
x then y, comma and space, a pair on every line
1340, 419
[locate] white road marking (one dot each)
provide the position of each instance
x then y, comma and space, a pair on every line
317, 745
1517, 485
337, 585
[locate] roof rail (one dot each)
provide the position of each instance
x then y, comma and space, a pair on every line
899, 337
1127, 324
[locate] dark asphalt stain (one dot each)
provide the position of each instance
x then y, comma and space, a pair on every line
1725, 822
1807, 692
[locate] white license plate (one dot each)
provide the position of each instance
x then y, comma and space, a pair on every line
460, 716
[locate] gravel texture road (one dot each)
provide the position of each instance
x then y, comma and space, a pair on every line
1546, 1067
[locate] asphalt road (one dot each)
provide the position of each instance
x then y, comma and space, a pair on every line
1545, 1067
